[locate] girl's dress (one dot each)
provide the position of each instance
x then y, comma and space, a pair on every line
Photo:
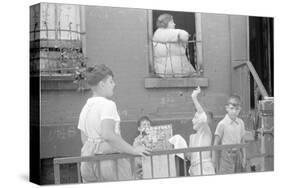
197, 140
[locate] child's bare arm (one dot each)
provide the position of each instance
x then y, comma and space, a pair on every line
215, 157
116, 141
194, 95
244, 159
83, 137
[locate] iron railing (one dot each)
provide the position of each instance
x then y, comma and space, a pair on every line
190, 54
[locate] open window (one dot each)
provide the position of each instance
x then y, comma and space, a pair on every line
190, 22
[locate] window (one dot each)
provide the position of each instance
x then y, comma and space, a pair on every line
190, 22
56, 40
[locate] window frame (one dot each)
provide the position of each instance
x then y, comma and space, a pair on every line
155, 82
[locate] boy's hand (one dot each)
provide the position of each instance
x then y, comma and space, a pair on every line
141, 150
139, 172
196, 92
215, 164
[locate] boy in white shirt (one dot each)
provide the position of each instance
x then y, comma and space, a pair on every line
202, 137
230, 130
100, 131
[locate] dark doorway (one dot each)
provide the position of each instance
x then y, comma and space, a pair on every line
261, 52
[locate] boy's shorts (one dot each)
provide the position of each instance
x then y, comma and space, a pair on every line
230, 161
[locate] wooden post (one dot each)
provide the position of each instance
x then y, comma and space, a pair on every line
79, 173
184, 166
168, 159
267, 141
152, 175
133, 169
116, 168
201, 163
57, 173
99, 170
257, 79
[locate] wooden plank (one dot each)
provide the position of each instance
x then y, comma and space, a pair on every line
257, 79
57, 77
133, 167
57, 173
79, 172
67, 160
159, 166
49, 43
267, 126
153, 166
168, 166
239, 66
116, 168
175, 82
201, 163
238, 63
58, 85
184, 166
99, 170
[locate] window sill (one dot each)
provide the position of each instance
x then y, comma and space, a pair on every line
56, 77
175, 82
60, 82
49, 43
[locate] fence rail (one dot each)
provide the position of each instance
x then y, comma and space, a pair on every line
190, 54
254, 74
115, 157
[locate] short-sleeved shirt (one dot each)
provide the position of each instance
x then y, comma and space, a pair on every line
94, 111
230, 132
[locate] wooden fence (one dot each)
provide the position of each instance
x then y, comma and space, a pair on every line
115, 157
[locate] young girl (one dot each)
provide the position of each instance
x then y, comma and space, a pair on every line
143, 124
169, 47
100, 131
202, 137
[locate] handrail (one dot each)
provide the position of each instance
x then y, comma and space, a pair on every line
255, 76
100, 157
176, 42
191, 57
